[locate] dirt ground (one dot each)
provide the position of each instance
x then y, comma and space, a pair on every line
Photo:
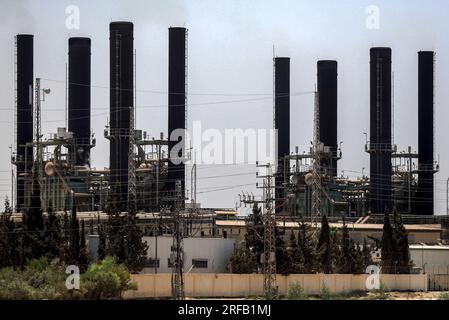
366, 296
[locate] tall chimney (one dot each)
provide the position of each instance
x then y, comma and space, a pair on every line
79, 98
380, 147
327, 95
121, 104
282, 125
177, 57
425, 198
24, 120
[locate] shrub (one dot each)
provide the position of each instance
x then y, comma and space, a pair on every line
106, 280
444, 296
41, 279
296, 292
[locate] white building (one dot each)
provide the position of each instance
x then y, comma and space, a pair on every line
201, 255
430, 259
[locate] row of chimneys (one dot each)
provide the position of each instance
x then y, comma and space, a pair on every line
79, 104
380, 147
122, 97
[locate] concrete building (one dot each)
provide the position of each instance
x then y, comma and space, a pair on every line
429, 234
201, 255
433, 260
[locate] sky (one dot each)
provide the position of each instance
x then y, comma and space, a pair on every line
230, 75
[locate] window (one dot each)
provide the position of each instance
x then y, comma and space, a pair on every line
152, 263
199, 263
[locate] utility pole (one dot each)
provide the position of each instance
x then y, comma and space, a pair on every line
269, 238
132, 188
177, 256
37, 125
37, 129
317, 150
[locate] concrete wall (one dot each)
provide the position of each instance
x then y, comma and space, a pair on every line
215, 251
431, 260
235, 285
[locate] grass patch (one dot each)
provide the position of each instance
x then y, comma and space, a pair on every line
443, 296
381, 293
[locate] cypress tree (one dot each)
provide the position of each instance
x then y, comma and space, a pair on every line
33, 223
101, 253
401, 245
387, 247
53, 237
306, 245
366, 252
74, 235
254, 233
345, 258
324, 247
358, 259
283, 262
137, 249
296, 258
83, 258
242, 261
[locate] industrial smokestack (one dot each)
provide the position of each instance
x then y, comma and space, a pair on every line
327, 95
177, 57
121, 104
24, 111
425, 198
79, 98
282, 125
380, 147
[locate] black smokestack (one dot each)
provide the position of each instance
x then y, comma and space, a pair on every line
24, 74
380, 130
79, 98
425, 200
121, 103
327, 95
282, 125
176, 105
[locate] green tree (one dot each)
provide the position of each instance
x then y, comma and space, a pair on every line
387, 246
243, 261
137, 249
254, 233
402, 263
306, 244
345, 258
358, 259
84, 257
101, 242
10, 239
53, 237
74, 243
283, 261
296, 257
324, 247
33, 223
366, 252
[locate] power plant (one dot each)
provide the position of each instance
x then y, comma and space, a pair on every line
147, 174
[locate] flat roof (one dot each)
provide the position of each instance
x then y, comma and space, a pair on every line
351, 226
429, 247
